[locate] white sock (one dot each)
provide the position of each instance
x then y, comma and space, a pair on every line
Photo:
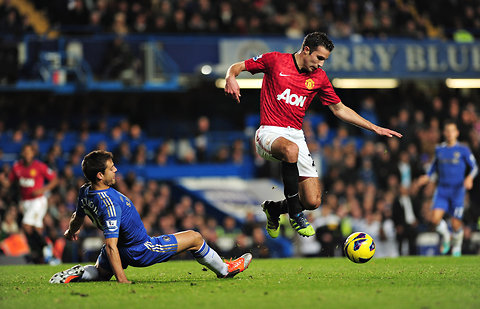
90, 273
442, 228
457, 240
210, 258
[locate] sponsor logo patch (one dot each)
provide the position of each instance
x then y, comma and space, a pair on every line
291, 98
112, 225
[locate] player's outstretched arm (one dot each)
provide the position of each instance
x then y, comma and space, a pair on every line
347, 114
75, 223
114, 259
231, 85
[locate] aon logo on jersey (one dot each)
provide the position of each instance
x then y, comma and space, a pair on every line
291, 98
26, 182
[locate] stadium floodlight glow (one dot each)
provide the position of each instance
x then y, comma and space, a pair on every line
365, 83
244, 83
462, 82
206, 69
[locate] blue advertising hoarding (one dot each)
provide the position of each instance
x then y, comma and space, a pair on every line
389, 58
372, 58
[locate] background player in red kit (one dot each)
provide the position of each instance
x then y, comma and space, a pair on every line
290, 83
30, 174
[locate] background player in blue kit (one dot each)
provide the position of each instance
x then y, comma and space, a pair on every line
126, 240
450, 164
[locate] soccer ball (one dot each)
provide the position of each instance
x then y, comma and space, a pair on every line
359, 247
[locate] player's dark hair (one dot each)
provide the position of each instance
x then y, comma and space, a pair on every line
27, 145
449, 122
95, 162
315, 39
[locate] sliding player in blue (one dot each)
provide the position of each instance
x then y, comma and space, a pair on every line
126, 240
450, 164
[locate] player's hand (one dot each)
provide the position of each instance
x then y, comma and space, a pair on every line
468, 182
232, 89
423, 180
68, 235
125, 281
387, 132
38, 192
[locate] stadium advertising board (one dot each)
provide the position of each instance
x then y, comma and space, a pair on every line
391, 58
232, 195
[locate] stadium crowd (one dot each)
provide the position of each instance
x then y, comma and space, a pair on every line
369, 183
341, 19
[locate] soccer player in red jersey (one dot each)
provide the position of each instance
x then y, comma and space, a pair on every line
30, 174
290, 83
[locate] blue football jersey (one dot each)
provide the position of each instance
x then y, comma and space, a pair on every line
114, 214
451, 163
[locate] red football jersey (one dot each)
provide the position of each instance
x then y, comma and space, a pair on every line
286, 92
30, 177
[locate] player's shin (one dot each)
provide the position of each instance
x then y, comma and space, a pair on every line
290, 183
457, 241
442, 228
36, 243
210, 258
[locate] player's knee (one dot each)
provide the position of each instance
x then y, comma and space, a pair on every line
457, 224
312, 203
290, 152
197, 238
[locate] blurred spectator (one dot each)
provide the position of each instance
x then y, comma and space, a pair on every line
242, 245
368, 112
78, 13
9, 223
222, 154
123, 154
119, 26
386, 242
185, 152
404, 214
237, 153
117, 59
201, 138
328, 227
259, 244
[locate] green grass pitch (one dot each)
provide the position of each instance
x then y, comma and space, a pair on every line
411, 282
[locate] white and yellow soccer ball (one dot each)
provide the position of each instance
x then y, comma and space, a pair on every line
359, 247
